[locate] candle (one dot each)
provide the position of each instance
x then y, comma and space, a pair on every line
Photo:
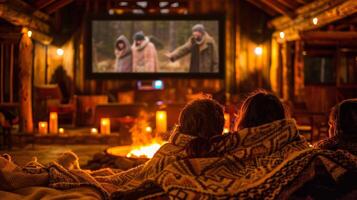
42, 128
227, 122
53, 122
61, 130
93, 131
105, 126
161, 121
148, 129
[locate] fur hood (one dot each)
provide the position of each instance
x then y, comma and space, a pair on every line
125, 40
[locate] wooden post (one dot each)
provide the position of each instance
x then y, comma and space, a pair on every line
299, 71
25, 91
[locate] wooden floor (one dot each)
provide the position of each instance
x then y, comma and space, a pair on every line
48, 153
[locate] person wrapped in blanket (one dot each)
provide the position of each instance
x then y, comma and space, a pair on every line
343, 128
265, 158
199, 121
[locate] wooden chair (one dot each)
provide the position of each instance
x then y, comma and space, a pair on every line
7, 121
49, 98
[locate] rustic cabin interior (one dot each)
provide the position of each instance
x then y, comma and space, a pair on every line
178, 99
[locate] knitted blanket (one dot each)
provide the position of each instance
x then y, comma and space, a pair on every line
270, 161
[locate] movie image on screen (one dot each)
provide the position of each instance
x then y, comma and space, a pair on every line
155, 46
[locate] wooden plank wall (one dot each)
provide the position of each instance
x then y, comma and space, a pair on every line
7, 72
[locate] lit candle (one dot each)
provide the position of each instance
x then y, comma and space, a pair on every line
105, 126
93, 131
42, 128
161, 121
53, 122
227, 122
148, 129
61, 130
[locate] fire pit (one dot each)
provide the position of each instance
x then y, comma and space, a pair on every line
124, 157
136, 151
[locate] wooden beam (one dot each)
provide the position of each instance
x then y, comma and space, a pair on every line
328, 35
21, 18
326, 16
29, 9
306, 11
25, 79
290, 4
39, 4
263, 7
57, 5
279, 8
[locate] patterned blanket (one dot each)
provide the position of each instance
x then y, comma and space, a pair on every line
270, 161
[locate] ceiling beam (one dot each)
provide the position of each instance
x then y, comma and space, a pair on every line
290, 4
57, 5
39, 4
325, 16
328, 35
263, 7
279, 8
21, 16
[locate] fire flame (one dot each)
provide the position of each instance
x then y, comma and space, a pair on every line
146, 151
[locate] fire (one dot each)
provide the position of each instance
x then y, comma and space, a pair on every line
146, 151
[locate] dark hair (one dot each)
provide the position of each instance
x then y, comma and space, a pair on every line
260, 107
204, 119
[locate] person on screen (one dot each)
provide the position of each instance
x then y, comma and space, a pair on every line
124, 60
144, 54
203, 50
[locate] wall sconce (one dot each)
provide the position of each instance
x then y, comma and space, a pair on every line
258, 51
315, 20
282, 35
60, 52
29, 34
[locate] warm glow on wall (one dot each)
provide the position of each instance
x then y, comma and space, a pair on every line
258, 51
29, 33
60, 52
282, 35
315, 20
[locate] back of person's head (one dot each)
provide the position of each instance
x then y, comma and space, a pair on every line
204, 119
260, 107
343, 119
